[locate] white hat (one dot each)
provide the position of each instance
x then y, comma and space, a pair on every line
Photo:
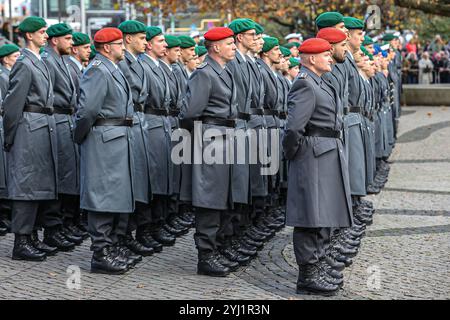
293, 36
195, 34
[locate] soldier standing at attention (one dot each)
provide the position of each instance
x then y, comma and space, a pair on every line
211, 98
135, 41
313, 142
31, 144
8, 57
78, 58
64, 106
103, 130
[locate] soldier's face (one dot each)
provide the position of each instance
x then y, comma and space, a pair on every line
323, 61
187, 54
192, 64
248, 39
38, 38
294, 52
158, 46
293, 72
355, 39
226, 48
11, 59
82, 52
116, 50
136, 42
341, 26
340, 51
259, 43
274, 55
173, 54
64, 44
370, 48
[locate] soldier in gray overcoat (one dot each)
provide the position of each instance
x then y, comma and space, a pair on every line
30, 140
211, 98
64, 106
318, 185
103, 130
158, 134
133, 70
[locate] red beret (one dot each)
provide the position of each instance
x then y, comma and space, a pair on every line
314, 45
218, 33
107, 35
332, 35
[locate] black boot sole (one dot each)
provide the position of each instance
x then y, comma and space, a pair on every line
204, 273
305, 291
101, 271
28, 259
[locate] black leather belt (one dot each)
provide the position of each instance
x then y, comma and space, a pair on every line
313, 131
269, 112
138, 107
157, 112
174, 113
243, 116
36, 109
283, 115
59, 110
355, 109
219, 121
255, 111
114, 122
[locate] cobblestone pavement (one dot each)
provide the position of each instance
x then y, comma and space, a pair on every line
406, 253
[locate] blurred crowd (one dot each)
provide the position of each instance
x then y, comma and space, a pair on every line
426, 62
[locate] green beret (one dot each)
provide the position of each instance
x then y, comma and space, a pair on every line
241, 25
41, 50
8, 49
59, 30
293, 62
172, 41
364, 50
93, 52
132, 26
389, 37
269, 43
329, 19
291, 45
200, 51
153, 32
353, 23
285, 52
259, 29
367, 41
32, 24
80, 39
186, 42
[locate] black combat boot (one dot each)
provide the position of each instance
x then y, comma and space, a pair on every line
70, 235
136, 246
232, 265
105, 261
330, 270
310, 282
209, 265
49, 251
24, 249
235, 256
54, 238
143, 237
163, 237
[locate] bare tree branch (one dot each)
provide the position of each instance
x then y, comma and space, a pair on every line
441, 8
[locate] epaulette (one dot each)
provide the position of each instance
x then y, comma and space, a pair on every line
201, 66
303, 75
96, 63
44, 54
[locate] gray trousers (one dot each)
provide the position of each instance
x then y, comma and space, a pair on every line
70, 206
105, 228
207, 225
159, 211
309, 244
27, 216
142, 216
